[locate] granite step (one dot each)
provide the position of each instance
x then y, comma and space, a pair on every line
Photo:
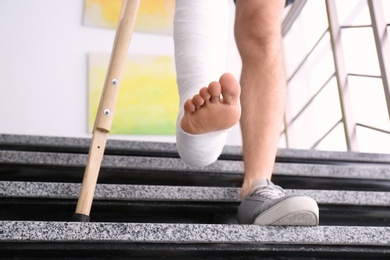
69, 167
120, 192
58, 237
176, 204
164, 149
14, 231
172, 164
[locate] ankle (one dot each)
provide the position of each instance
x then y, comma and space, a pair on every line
247, 187
248, 184
245, 190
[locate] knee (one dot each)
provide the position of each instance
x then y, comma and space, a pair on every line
257, 29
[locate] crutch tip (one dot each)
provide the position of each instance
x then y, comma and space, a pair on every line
80, 217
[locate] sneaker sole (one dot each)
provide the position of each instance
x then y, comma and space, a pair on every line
295, 211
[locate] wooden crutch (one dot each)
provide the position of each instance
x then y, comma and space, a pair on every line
106, 108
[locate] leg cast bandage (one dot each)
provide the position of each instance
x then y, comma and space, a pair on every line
200, 38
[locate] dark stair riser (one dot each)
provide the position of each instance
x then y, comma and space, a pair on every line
174, 212
186, 251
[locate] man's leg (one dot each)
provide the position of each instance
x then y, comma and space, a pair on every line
258, 37
263, 88
200, 37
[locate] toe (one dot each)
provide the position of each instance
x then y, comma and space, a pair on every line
198, 100
205, 93
215, 90
189, 106
230, 88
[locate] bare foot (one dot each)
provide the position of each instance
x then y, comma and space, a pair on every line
216, 107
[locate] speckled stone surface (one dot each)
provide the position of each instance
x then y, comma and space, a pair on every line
85, 142
334, 171
173, 164
6, 139
117, 162
334, 155
32, 140
178, 193
191, 233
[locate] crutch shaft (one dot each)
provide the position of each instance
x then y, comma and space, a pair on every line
106, 108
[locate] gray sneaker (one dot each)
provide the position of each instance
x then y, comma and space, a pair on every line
267, 204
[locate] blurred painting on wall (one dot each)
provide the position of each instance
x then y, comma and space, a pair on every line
148, 101
154, 16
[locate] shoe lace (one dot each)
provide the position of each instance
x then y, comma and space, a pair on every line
268, 191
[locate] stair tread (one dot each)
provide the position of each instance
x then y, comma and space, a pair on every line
50, 190
173, 164
170, 148
36, 231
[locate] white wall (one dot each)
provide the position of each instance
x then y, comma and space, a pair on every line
43, 67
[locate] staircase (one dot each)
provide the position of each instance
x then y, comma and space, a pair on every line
148, 204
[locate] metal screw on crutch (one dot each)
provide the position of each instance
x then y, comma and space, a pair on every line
106, 108
107, 112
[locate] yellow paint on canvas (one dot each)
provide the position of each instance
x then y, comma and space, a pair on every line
104, 13
148, 98
154, 16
